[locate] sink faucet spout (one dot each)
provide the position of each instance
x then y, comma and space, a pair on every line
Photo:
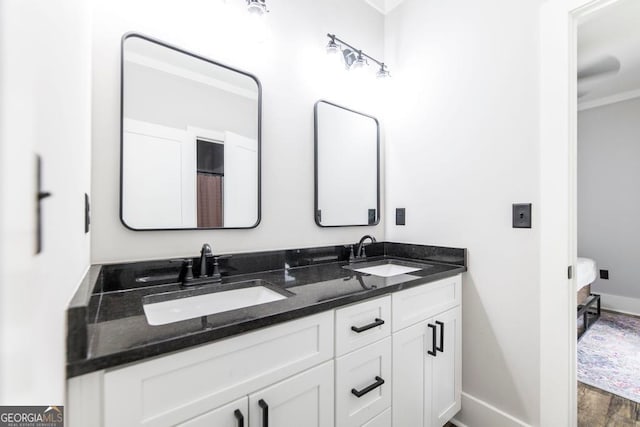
205, 253
360, 251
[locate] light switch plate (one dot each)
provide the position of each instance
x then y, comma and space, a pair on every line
522, 215
87, 213
400, 216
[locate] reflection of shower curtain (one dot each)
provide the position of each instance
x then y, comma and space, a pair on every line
209, 200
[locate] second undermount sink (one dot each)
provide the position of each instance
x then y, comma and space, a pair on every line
169, 307
387, 267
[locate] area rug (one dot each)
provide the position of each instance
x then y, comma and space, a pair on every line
609, 355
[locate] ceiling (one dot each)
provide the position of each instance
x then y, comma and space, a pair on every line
384, 6
609, 40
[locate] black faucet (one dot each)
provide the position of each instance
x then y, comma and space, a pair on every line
187, 278
360, 252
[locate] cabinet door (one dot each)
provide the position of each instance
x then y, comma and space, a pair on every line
412, 376
447, 366
234, 414
303, 400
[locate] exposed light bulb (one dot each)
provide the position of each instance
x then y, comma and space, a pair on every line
359, 63
257, 7
333, 48
383, 73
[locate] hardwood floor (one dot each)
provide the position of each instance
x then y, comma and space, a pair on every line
598, 408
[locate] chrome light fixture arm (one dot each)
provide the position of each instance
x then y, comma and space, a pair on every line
336, 43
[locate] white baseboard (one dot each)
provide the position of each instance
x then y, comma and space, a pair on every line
620, 304
477, 413
458, 423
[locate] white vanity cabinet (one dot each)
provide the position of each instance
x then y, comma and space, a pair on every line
427, 363
392, 361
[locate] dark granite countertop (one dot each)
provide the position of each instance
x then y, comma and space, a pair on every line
108, 327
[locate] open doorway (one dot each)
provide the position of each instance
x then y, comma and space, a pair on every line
608, 176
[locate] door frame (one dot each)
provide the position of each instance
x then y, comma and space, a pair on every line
558, 206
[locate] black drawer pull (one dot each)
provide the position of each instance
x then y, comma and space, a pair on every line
441, 348
433, 340
360, 393
265, 412
377, 322
239, 417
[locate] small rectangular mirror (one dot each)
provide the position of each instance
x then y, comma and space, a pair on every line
347, 167
190, 140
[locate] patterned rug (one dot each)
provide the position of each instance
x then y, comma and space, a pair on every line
609, 355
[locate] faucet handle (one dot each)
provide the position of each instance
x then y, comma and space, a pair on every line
352, 257
186, 272
216, 276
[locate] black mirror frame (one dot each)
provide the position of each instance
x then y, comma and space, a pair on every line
202, 58
315, 165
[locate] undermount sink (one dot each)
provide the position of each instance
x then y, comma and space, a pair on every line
169, 307
387, 267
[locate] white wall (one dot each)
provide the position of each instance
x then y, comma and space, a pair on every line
462, 146
608, 197
293, 68
44, 108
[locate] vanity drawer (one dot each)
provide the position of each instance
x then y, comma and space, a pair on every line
382, 420
417, 304
362, 324
172, 389
362, 372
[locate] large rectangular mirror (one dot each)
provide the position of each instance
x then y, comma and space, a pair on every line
190, 140
347, 167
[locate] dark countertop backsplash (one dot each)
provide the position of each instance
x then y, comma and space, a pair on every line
107, 326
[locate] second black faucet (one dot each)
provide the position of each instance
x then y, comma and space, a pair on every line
361, 254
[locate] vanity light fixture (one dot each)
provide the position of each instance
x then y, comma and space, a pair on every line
354, 59
257, 7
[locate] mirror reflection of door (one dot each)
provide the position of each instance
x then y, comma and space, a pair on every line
210, 172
